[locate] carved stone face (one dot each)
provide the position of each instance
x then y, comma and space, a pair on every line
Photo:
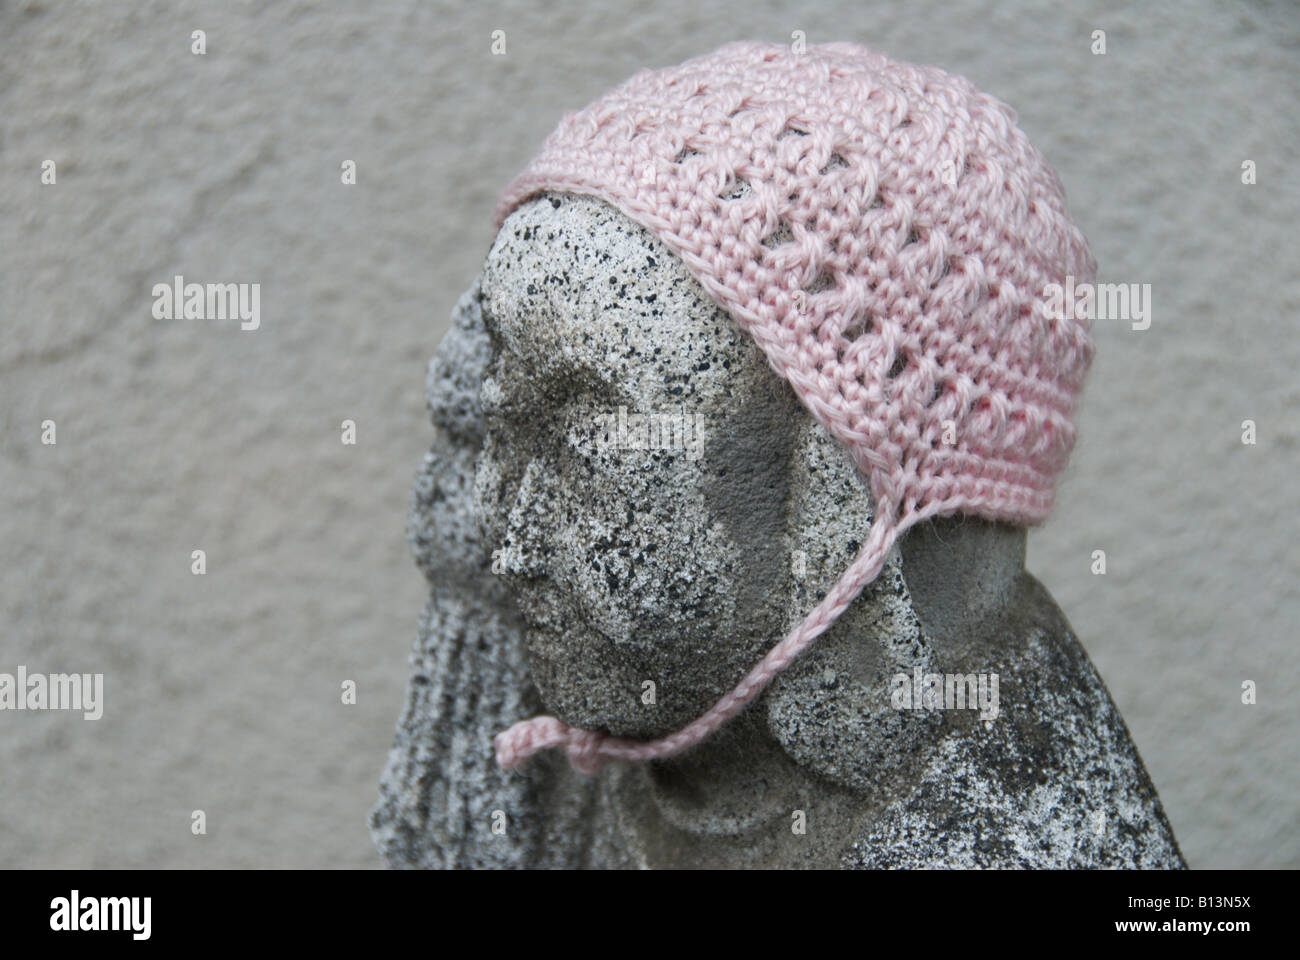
639, 472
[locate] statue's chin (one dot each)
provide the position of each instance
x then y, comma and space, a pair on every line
596, 693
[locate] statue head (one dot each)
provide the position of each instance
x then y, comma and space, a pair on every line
881, 237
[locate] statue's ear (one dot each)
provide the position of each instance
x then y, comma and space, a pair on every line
832, 709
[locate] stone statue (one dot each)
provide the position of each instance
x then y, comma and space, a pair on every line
622, 510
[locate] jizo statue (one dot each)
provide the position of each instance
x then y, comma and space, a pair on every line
725, 517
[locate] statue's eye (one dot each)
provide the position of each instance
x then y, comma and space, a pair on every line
508, 393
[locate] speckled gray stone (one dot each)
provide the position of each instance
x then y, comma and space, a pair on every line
569, 574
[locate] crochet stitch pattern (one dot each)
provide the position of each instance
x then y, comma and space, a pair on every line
884, 231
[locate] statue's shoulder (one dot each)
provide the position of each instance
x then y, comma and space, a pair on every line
1054, 780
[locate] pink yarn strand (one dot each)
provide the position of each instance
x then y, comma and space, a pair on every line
588, 751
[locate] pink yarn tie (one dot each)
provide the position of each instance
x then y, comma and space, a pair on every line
588, 751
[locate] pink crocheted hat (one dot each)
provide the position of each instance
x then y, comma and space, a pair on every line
885, 232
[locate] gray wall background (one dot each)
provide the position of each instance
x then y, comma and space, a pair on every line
223, 691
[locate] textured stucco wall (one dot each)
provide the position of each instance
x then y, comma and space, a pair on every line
223, 691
